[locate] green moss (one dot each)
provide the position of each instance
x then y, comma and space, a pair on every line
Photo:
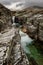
35, 53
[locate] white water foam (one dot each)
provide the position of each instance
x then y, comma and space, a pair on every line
25, 40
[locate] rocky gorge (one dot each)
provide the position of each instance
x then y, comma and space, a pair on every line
18, 31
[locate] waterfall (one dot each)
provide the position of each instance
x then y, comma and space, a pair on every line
13, 18
25, 40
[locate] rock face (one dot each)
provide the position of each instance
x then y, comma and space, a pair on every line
5, 43
5, 17
35, 27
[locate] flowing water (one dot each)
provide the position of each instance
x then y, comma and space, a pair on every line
25, 40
